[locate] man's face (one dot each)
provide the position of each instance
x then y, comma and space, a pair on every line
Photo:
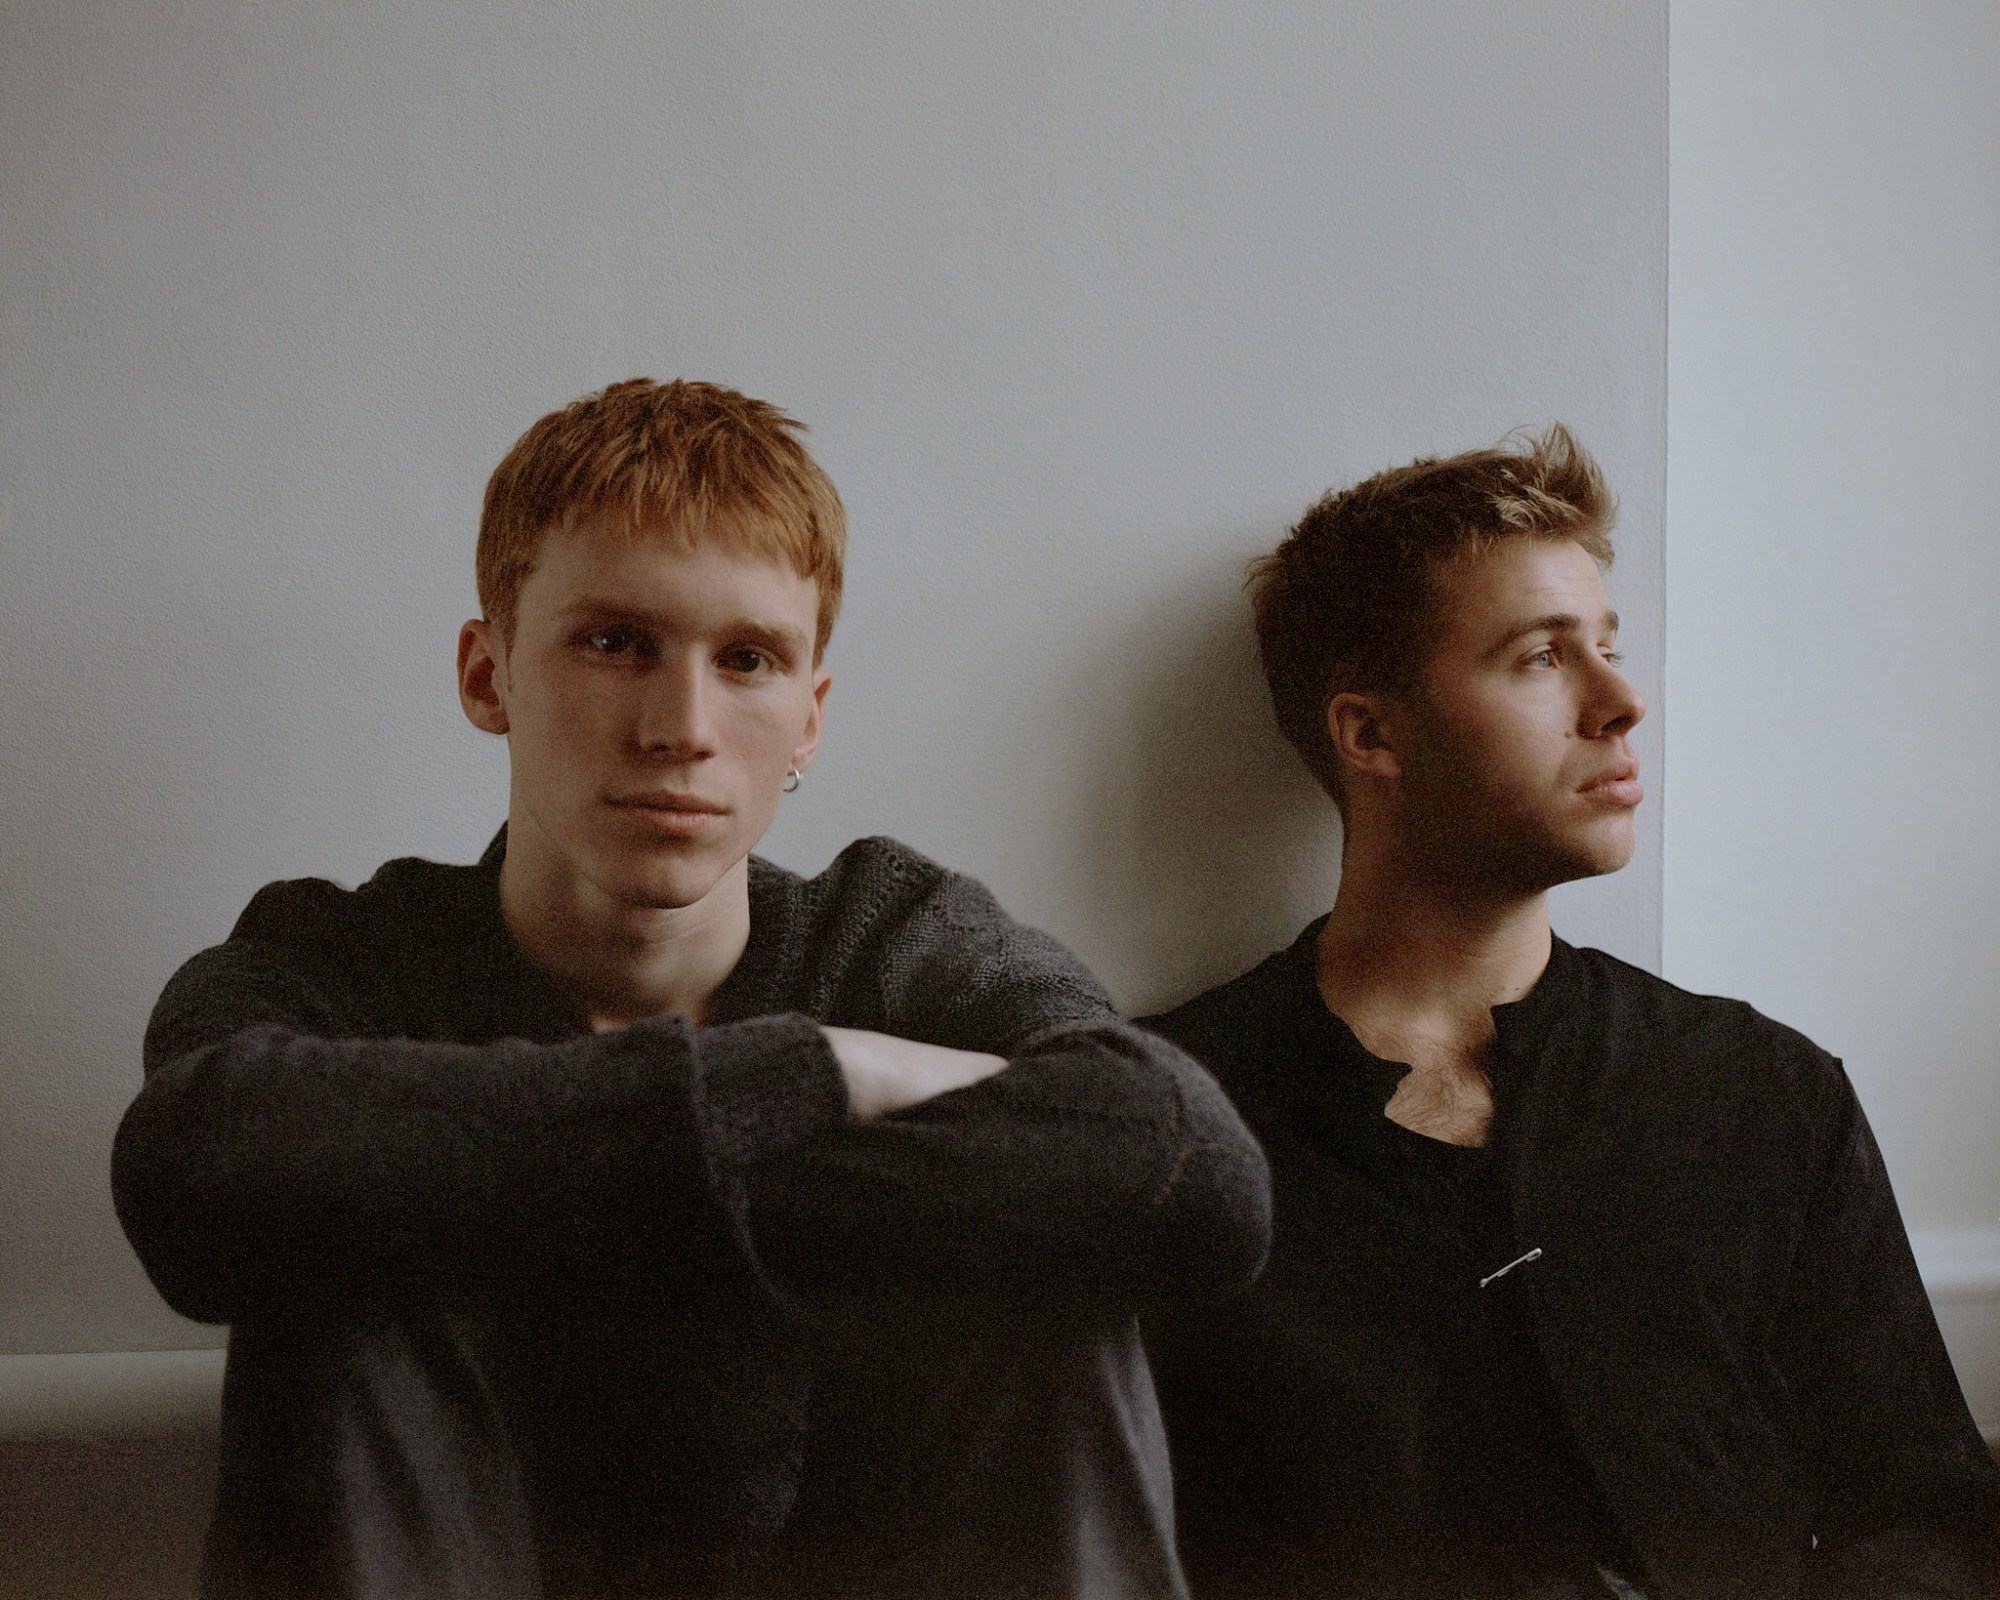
1516, 766
654, 698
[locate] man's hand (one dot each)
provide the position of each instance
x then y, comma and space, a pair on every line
885, 1073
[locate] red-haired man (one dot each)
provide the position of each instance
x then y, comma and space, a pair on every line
625, 1216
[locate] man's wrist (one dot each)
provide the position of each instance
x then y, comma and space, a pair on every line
767, 1085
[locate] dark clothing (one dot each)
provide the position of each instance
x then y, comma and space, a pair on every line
519, 1310
1723, 1351
1527, 1517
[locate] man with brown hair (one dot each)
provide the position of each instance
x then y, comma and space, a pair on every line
625, 1216
1580, 1284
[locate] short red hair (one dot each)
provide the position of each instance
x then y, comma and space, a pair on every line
691, 459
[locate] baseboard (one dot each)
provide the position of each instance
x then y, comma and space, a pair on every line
1959, 1265
123, 1394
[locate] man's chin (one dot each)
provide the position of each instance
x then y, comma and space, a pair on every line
677, 894
672, 885
1560, 861
1598, 858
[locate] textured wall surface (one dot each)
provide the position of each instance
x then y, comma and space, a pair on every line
1084, 304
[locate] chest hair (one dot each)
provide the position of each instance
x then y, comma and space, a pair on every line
1446, 1094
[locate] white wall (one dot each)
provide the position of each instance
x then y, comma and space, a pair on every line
1084, 303
1833, 575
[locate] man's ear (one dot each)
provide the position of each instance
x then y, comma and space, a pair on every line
1362, 727
482, 676
808, 745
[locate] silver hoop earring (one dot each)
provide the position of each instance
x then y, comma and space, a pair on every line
792, 780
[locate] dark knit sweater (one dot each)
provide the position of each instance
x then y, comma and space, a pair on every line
1733, 1332
518, 1309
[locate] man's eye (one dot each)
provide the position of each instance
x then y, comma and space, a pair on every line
1544, 657
1615, 658
746, 659
612, 642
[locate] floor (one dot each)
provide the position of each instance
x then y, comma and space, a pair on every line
104, 1520
108, 1520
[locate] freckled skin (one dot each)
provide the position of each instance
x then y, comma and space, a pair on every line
655, 696
641, 666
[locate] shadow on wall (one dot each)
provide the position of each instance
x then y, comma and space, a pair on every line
1203, 841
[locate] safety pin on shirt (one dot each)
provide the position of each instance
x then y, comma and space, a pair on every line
1519, 1261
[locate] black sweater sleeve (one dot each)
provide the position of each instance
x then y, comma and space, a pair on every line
277, 1142
288, 1133
1910, 1498
1101, 1170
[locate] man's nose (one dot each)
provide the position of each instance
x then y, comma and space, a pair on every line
675, 714
1613, 705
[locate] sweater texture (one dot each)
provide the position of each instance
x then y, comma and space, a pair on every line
519, 1310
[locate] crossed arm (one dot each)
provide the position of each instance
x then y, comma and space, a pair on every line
282, 1139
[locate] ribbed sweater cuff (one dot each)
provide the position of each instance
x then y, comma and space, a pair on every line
768, 1083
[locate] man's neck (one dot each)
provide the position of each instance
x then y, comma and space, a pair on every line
623, 963
1405, 954
1415, 968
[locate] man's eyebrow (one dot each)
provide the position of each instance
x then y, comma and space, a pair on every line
783, 636
617, 610
1553, 622
777, 633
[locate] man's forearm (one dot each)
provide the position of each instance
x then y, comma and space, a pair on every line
1089, 1172
256, 1155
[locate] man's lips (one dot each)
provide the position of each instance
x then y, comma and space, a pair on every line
676, 814
666, 800
1618, 787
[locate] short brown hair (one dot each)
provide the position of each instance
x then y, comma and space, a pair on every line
1345, 602
690, 457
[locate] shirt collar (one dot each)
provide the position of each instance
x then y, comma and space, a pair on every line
1522, 1025
1343, 1075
